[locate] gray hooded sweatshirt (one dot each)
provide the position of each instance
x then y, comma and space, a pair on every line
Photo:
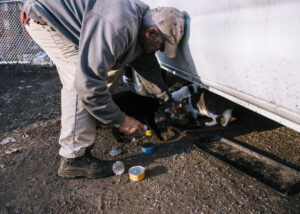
106, 34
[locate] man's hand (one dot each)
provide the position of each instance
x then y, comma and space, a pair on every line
131, 126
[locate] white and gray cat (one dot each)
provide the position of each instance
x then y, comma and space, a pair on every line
205, 103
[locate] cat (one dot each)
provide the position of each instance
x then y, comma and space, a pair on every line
139, 107
205, 103
148, 110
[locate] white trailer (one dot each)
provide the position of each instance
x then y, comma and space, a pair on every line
247, 51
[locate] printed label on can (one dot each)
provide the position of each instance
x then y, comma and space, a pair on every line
137, 173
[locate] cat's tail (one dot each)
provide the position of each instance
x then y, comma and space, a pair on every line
227, 114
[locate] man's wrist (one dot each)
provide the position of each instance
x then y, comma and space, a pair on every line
120, 120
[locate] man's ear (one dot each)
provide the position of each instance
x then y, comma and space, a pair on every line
151, 32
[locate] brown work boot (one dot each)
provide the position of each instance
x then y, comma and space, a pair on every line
85, 166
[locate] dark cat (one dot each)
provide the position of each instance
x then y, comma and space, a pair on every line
139, 107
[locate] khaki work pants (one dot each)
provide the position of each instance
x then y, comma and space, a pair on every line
78, 127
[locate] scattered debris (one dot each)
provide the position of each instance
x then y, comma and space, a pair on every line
25, 136
2, 166
8, 152
8, 140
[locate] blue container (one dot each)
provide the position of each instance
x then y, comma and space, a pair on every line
148, 148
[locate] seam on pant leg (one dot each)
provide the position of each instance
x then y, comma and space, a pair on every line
75, 124
67, 59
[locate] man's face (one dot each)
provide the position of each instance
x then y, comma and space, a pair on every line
154, 42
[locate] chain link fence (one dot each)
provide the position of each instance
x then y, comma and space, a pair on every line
16, 46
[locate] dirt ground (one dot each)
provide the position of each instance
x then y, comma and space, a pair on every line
180, 178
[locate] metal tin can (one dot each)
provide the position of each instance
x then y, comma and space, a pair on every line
147, 131
147, 147
136, 173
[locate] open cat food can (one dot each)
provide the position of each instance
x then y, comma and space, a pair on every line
147, 131
147, 147
137, 173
